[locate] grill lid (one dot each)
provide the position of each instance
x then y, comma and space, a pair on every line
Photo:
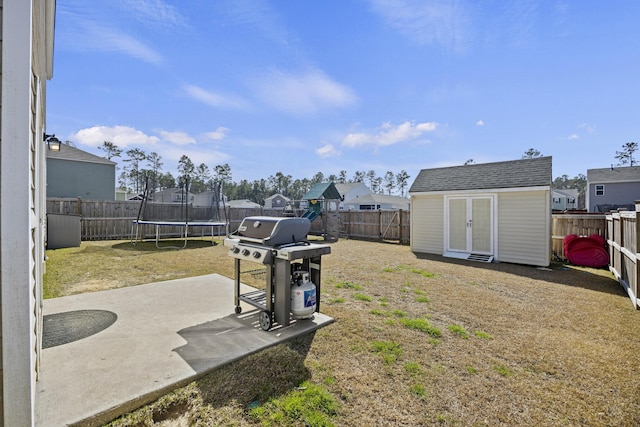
272, 231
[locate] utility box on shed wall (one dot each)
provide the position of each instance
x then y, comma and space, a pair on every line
63, 231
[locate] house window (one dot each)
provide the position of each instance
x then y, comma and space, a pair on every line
600, 190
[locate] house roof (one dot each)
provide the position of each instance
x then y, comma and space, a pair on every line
275, 196
373, 198
615, 174
242, 204
321, 190
67, 152
509, 174
567, 192
344, 188
169, 191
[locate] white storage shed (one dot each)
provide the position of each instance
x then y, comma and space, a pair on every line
486, 212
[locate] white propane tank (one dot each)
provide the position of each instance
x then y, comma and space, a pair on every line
303, 295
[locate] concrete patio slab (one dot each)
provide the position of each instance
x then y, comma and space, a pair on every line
164, 336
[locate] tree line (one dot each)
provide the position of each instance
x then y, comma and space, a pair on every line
142, 169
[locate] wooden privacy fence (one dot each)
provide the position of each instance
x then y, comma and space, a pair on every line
580, 224
622, 237
112, 219
380, 225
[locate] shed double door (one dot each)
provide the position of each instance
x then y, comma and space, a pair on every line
470, 225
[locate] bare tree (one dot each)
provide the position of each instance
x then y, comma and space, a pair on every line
111, 150
531, 153
132, 170
389, 182
402, 179
626, 155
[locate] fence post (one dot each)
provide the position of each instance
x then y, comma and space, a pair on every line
400, 225
637, 256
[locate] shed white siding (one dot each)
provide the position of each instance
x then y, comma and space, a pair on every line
524, 227
427, 224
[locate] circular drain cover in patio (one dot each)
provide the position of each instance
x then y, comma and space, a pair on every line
63, 328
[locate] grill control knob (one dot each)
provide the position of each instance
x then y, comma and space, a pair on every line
246, 252
257, 254
235, 249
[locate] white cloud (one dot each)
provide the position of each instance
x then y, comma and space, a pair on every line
587, 127
121, 136
178, 138
107, 40
480, 123
437, 21
327, 150
153, 13
213, 99
217, 134
304, 93
389, 135
573, 136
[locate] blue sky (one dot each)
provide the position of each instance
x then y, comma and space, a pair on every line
387, 85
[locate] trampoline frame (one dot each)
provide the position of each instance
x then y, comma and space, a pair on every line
135, 230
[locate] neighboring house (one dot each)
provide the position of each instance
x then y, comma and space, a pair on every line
171, 195
276, 201
565, 199
127, 195
613, 188
351, 190
494, 211
72, 172
244, 204
373, 201
27, 63
207, 199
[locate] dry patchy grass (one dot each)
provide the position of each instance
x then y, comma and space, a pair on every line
418, 340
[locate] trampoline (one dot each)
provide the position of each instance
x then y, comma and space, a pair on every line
184, 234
138, 224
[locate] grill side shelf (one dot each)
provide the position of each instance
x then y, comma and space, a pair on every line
297, 252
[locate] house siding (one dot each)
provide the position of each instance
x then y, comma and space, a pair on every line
524, 227
90, 181
25, 46
615, 194
1, 241
427, 224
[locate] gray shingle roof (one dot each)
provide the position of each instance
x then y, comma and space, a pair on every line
510, 174
68, 152
615, 174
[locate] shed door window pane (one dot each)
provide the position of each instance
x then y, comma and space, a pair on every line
481, 225
458, 224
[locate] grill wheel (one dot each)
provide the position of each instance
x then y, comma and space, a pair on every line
265, 320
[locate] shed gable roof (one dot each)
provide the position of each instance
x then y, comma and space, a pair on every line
509, 174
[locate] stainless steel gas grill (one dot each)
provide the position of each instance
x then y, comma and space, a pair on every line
292, 267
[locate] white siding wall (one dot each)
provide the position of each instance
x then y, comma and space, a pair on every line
524, 227
427, 224
25, 68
